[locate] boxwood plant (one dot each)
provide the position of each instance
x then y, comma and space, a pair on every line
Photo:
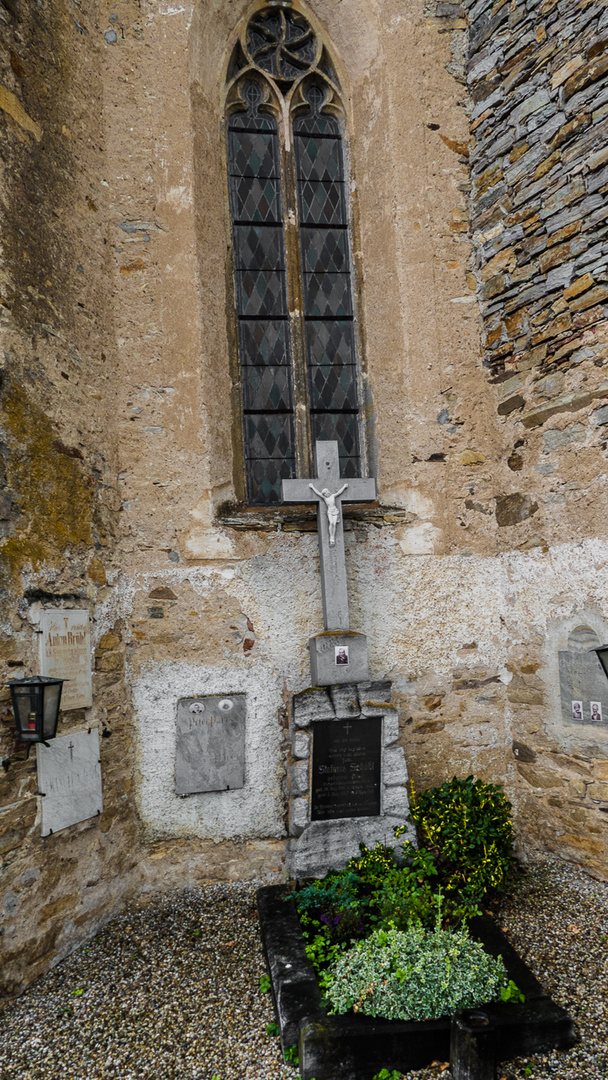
388, 934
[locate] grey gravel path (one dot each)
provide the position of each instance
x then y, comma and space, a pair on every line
171, 991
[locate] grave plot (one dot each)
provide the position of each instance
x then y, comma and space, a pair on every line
356, 1047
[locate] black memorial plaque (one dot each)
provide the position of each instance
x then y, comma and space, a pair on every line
346, 768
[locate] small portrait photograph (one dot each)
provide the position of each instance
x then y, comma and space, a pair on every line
596, 712
577, 710
341, 653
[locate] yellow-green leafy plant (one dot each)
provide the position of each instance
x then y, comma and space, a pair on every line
467, 826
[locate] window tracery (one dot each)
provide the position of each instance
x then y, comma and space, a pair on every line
298, 368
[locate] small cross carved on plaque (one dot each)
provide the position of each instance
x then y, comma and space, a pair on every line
329, 491
348, 728
71, 749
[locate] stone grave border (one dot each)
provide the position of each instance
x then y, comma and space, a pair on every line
355, 1047
315, 846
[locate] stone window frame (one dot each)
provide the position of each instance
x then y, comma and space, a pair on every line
285, 100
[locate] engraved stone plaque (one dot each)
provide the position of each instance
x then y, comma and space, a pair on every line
65, 653
346, 757
210, 744
69, 780
583, 685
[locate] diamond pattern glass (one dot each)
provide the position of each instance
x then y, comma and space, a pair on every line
316, 125
321, 203
318, 159
341, 427
261, 292
267, 388
268, 435
256, 200
253, 153
333, 388
330, 343
327, 295
264, 342
264, 479
259, 247
324, 250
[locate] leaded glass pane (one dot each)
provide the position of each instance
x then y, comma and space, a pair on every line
264, 479
325, 250
330, 343
317, 125
255, 200
264, 342
253, 153
259, 247
318, 159
342, 428
266, 388
268, 435
327, 295
261, 292
321, 203
333, 387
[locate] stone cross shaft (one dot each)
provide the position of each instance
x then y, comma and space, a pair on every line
329, 491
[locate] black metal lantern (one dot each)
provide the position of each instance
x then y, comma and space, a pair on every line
602, 655
36, 707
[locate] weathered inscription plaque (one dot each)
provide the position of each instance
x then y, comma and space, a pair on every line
65, 653
69, 780
210, 744
346, 758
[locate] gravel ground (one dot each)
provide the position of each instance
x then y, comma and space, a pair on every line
170, 991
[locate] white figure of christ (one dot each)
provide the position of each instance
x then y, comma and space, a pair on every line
333, 514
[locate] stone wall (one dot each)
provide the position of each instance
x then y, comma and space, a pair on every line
487, 551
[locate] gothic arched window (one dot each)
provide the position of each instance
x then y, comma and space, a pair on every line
298, 373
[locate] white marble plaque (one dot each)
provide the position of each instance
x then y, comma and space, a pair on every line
65, 653
210, 744
69, 780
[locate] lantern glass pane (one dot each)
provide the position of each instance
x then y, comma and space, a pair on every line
52, 696
24, 702
602, 655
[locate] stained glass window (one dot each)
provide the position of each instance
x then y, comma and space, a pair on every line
297, 335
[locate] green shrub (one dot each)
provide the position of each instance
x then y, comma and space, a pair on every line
467, 825
414, 975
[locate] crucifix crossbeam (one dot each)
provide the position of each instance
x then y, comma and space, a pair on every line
329, 491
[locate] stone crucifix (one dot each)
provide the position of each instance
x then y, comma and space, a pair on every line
329, 491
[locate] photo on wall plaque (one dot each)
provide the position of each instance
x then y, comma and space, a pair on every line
577, 710
596, 712
341, 654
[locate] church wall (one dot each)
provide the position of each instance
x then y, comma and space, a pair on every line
59, 503
487, 550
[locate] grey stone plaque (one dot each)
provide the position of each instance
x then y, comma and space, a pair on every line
346, 768
210, 744
338, 658
69, 780
583, 685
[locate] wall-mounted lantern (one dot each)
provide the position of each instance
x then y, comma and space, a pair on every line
602, 655
36, 708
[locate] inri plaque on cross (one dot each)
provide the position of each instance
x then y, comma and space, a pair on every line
329, 491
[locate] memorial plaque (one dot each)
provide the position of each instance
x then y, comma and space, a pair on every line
210, 744
65, 653
346, 757
69, 780
582, 683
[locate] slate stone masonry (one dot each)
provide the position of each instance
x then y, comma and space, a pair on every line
537, 76
316, 846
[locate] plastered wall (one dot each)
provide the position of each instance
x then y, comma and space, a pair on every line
488, 546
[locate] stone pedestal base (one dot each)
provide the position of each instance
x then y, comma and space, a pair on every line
316, 845
338, 656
